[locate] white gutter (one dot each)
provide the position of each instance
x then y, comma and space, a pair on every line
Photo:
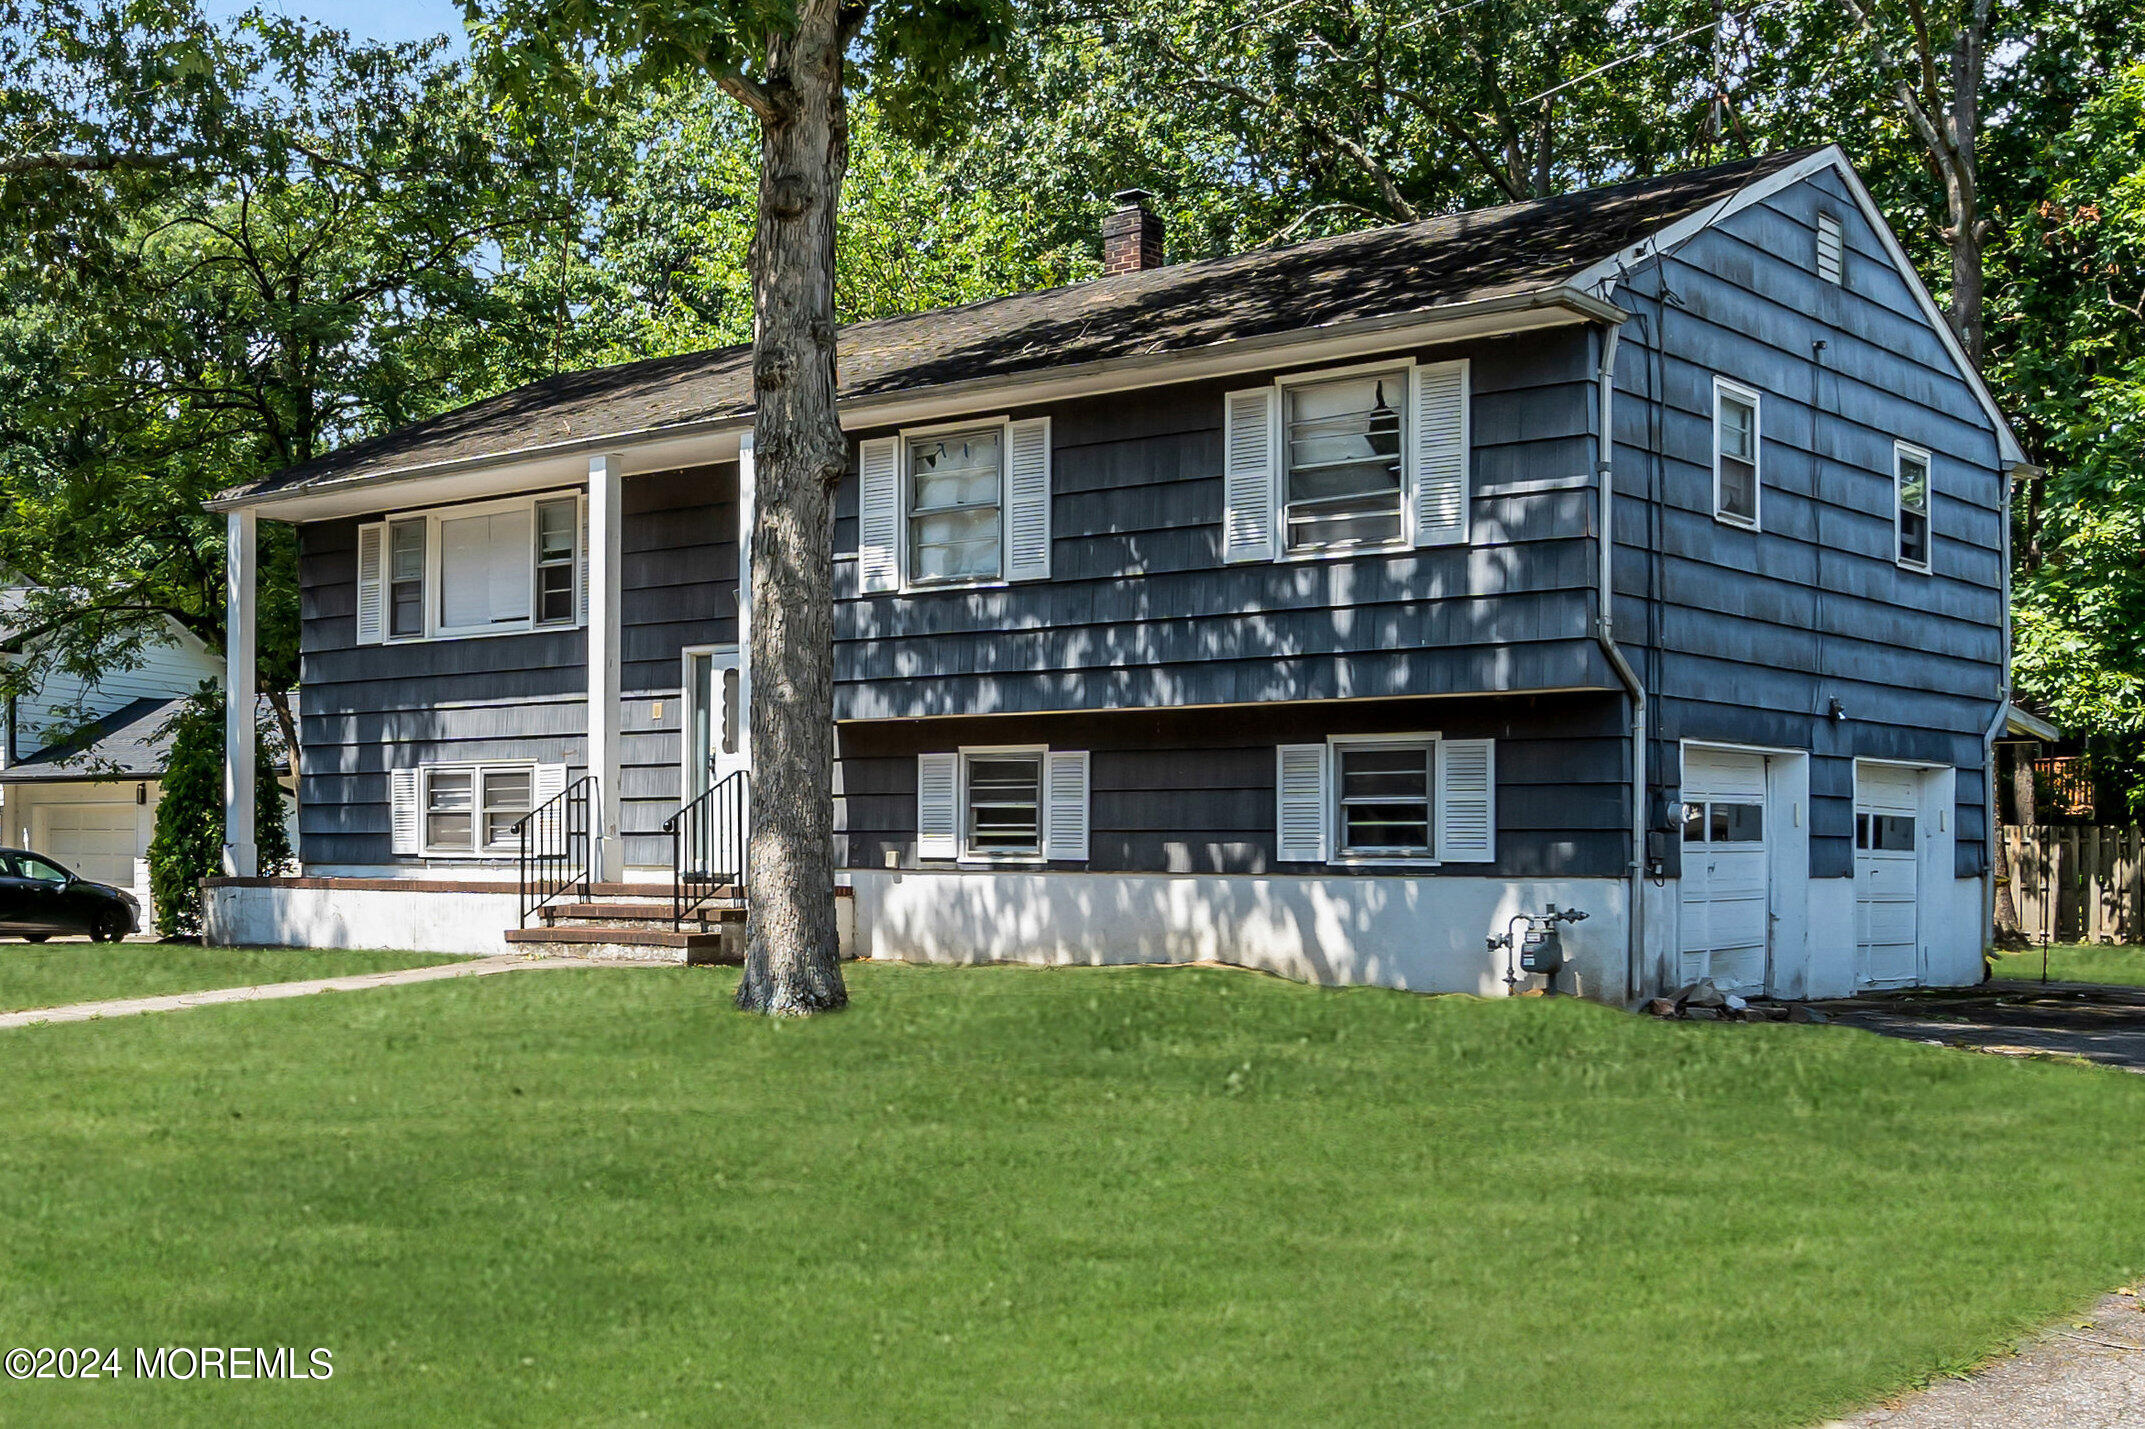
1605, 633
1489, 317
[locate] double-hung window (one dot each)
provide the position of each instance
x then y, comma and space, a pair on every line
481, 569
1735, 453
956, 494
966, 504
1343, 453
1910, 506
472, 809
406, 577
1345, 461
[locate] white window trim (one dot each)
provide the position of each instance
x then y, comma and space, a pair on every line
432, 517
477, 769
1278, 512
905, 565
1926, 566
968, 858
1336, 828
1756, 520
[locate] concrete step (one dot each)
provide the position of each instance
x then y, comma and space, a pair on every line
631, 944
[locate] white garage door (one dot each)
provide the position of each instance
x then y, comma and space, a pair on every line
95, 840
1727, 893
1887, 874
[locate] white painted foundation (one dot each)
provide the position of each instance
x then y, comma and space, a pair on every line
1419, 934
424, 922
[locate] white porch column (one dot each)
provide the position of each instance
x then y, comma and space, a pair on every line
241, 854
748, 508
606, 518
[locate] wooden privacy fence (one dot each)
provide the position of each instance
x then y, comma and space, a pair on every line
2080, 883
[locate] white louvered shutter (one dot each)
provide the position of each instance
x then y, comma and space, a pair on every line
1027, 500
878, 515
372, 583
550, 830
1438, 471
1249, 470
1065, 800
405, 816
938, 813
584, 560
1466, 801
1300, 818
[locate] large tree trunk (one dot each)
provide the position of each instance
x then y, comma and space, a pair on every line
792, 965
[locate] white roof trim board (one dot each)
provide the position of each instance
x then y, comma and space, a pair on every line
1601, 277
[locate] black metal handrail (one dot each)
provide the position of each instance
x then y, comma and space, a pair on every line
556, 847
707, 844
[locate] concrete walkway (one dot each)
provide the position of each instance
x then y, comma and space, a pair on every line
2088, 1373
269, 991
2101, 1024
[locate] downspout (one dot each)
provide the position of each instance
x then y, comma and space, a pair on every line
1605, 633
1990, 831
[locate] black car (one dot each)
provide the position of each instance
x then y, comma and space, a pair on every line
38, 898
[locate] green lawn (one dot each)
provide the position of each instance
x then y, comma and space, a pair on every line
52, 974
1015, 1195
2078, 962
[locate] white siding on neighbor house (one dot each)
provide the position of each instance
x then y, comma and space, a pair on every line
162, 672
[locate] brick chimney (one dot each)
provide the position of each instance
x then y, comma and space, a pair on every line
1132, 236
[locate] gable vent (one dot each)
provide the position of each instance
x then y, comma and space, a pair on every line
1831, 251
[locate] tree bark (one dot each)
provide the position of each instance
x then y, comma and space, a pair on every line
2022, 788
792, 963
2007, 933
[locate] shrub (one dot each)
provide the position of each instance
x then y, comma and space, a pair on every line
188, 845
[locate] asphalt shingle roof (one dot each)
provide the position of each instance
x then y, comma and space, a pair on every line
1507, 251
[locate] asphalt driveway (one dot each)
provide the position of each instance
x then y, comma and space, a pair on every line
2101, 1024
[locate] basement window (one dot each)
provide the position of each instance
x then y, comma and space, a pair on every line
1385, 800
1005, 801
470, 809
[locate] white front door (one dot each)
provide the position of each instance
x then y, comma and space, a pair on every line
1726, 925
1888, 838
717, 745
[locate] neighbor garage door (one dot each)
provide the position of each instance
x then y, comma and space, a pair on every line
95, 840
1887, 874
1727, 894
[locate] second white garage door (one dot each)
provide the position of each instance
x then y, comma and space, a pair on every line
98, 841
1727, 885
1888, 874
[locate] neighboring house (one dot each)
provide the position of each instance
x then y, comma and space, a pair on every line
84, 763
1262, 609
